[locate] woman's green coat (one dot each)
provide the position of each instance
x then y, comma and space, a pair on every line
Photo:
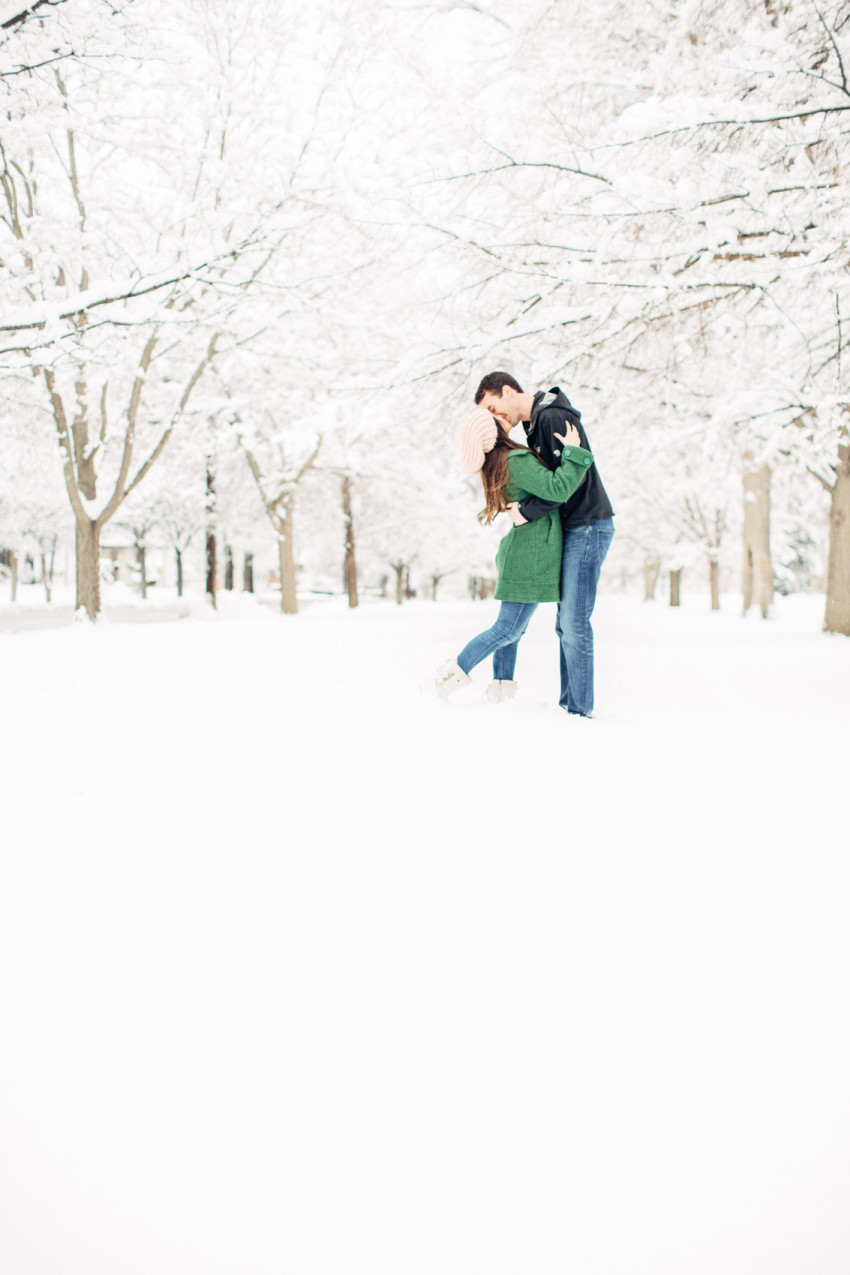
529, 557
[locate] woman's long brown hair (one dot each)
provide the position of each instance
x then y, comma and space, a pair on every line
494, 475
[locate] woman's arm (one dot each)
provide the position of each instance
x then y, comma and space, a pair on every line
532, 476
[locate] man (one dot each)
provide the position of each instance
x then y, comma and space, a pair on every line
587, 519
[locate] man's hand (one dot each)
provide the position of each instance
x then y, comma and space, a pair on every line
514, 514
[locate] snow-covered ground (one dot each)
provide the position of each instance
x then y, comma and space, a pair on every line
305, 973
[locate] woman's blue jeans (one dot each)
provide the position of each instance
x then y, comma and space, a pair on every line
500, 641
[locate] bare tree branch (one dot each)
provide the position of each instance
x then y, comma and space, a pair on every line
130, 436
66, 446
768, 119
184, 399
20, 18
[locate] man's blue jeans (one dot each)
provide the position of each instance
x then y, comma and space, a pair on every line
584, 552
500, 641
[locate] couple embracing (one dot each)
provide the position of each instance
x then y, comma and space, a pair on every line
563, 528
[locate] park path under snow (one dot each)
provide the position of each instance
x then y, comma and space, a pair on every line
306, 973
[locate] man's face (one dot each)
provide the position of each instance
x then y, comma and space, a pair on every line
503, 406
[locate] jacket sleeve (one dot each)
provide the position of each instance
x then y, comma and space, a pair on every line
532, 507
552, 420
549, 490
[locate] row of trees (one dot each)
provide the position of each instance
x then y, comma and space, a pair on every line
285, 243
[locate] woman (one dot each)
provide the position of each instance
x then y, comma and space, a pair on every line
528, 561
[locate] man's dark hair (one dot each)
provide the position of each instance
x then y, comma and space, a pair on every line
494, 383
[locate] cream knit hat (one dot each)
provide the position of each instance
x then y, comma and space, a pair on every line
478, 436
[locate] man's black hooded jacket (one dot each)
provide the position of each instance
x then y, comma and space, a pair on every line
551, 413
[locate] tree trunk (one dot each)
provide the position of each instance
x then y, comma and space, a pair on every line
178, 555
675, 582
248, 574
837, 618
398, 568
651, 572
45, 577
88, 568
141, 558
228, 568
286, 550
757, 575
714, 582
51, 566
212, 566
435, 582
349, 569
86, 480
